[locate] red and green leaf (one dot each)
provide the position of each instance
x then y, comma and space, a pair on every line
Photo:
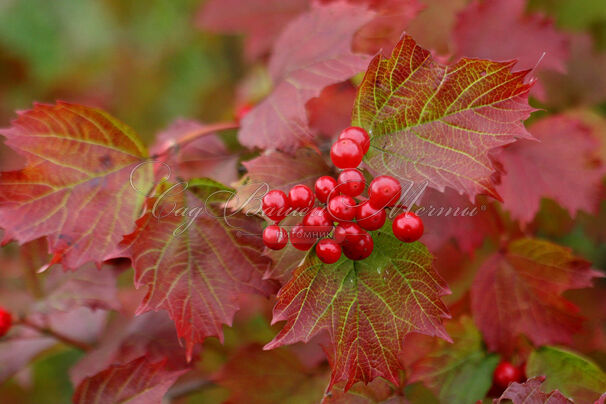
76, 187
437, 123
571, 373
195, 262
137, 382
519, 291
367, 307
459, 372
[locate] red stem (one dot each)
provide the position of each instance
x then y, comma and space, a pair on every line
196, 134
56, 335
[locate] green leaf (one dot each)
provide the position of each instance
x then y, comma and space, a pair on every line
460, 372
569, 372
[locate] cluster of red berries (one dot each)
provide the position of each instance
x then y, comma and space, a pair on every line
337, 205
6, 321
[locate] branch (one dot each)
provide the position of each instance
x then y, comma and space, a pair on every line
189, 137
83, 346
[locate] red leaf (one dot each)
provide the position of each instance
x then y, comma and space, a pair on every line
564, 166
380, 34
89, 286
584, 82
519, 291
432, 28
125, 339
277, 170
206, 156
137, 382
530, 392
437, 123
195, 267
19, 348
366, 306
500, 30
260, 20
256, 377
75, 188
330, 112
300, 70
448, 215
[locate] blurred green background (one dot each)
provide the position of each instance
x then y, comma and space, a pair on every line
143, 61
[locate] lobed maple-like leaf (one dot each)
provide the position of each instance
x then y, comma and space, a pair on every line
500, 30
314, 51
195, 262
206, 156
519, 291
459, 372
530, 392
437, 122
276, 170
572, 374
565, 166
260, 20
76, 187
137, 382
367, 307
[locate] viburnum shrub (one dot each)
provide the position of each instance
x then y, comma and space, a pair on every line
385, 220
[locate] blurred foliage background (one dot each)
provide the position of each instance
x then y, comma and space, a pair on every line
143, 61
146, 62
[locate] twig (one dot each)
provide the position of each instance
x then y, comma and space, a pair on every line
194, 135
83, 346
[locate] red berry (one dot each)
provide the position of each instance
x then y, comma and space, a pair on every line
324, 187
328, 250
346, 153
301, 197
340, 232
317, 223
345, 231
351, 182
275, 237
370, 218
505, 374
301, 238
358, 135
358, 246
6, 321
276, 205
384, 191
407, 227
342, 208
